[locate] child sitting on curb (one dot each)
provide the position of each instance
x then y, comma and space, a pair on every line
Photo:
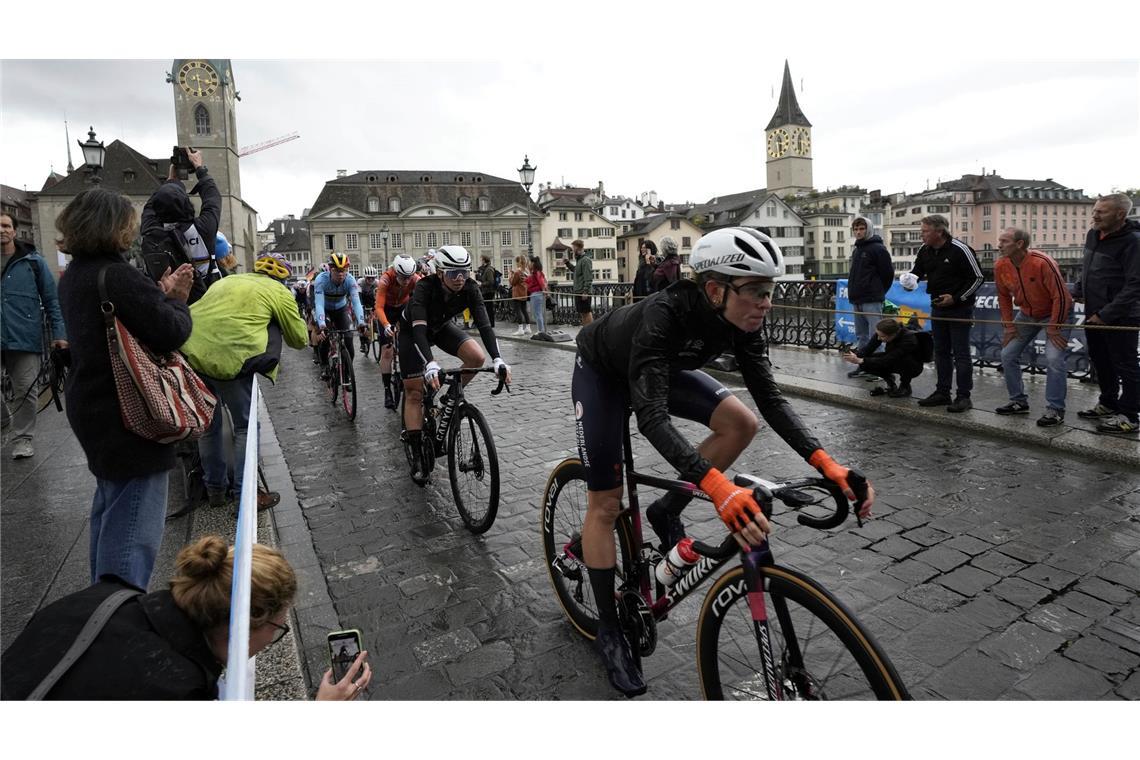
902, 357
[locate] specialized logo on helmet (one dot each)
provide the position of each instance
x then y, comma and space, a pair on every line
716, 261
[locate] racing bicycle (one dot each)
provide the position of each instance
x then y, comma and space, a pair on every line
765, 632
342, 377
456, 429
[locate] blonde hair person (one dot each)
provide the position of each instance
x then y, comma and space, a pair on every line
170, 644
519, 295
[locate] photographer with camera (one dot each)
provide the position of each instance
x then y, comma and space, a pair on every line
172, 235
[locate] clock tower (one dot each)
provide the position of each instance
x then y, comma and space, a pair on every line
204, 99
788, 143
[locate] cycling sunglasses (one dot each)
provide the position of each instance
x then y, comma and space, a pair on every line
455, 274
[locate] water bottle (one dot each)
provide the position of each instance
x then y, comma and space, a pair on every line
676, 562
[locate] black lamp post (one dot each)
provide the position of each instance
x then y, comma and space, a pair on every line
384, 237
93, 154
526, 177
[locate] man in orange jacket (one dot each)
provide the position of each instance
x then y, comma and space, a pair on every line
1031, 281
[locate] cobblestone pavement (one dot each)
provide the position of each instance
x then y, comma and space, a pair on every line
990, 571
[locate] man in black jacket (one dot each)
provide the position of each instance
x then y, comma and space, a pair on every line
953, 278
170, 207
902, 357
870, 278
1109, 286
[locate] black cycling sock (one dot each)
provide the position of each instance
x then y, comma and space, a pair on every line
602, 582
387, 381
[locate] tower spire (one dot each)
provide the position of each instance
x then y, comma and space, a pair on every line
67, 139
788, 110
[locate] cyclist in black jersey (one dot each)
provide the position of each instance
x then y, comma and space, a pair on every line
427, 320
648, 355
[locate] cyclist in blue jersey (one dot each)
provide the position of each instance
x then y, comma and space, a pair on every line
334, 292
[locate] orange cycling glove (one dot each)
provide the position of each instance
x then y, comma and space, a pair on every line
734, 504
828, 468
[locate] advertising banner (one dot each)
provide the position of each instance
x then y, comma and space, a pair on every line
985, 338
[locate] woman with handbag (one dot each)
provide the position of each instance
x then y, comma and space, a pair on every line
536, 292
131, 472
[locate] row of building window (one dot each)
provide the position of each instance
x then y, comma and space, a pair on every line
425, 240
586, 232
394, 204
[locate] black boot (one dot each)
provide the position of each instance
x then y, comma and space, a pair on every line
419, 470
623, 672
389, 402
664, 517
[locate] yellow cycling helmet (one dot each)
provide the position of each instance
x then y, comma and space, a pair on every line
338, 261
273, 264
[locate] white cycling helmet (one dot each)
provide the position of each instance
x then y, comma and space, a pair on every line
453, 257
370, 271
738, 252
404, 265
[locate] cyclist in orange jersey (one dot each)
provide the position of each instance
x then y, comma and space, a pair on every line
392, 293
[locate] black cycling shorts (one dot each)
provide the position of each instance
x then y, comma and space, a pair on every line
448, 339
584, 304
601, 406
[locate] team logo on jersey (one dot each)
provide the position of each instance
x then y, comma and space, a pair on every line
577, 410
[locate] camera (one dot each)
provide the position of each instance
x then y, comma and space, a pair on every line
181, 162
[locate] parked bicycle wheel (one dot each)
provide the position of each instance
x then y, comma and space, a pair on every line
473, 468
819, 650
347, 389
563, 511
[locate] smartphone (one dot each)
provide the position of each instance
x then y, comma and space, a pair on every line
343, 648
181, 162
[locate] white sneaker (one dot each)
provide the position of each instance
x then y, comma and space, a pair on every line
526, 330
519, 330
23, 450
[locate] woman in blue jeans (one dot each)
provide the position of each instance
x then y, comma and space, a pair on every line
536, 292
131, 473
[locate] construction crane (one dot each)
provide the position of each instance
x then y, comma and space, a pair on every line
251, 149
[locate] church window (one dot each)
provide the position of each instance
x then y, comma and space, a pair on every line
201, 120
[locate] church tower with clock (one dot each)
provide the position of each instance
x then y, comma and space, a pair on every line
789, 144
204, 98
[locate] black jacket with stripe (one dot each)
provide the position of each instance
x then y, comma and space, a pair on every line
952, 269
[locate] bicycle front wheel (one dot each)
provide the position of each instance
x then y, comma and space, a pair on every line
348, 389
819, 650
334, 379
473, 467
563, 512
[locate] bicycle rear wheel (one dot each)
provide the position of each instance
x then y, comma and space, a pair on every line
819, 650
563, 511
473, 468
348, 389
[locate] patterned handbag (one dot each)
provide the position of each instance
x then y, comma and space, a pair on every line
161, 398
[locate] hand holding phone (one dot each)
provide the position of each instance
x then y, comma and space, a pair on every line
349, 675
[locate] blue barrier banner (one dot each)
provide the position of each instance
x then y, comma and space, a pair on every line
985, 339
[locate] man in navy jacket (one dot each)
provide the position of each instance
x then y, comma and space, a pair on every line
28, 291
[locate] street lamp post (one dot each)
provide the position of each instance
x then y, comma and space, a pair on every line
526, 177
384, 237
93, 154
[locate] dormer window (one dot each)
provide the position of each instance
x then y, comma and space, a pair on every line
128, 176
464, 204
426, 179
484, 204
394, 205
373, 204
201, 120
393, 178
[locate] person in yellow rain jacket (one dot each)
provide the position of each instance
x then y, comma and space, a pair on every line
238, 329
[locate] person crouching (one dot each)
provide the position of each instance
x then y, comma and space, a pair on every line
902, 356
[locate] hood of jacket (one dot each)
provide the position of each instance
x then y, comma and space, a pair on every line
172, 204
872, 236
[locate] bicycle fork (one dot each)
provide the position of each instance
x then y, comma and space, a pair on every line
758, 606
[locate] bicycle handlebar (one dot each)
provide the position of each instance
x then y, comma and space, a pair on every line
469, 371
790, 493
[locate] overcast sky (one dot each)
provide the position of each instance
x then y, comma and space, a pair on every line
652, 97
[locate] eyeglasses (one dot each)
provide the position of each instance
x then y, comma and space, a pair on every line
754, 291
455, 274
281, 631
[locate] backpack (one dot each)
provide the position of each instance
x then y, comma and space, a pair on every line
164, 247
498, 279
925, 342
